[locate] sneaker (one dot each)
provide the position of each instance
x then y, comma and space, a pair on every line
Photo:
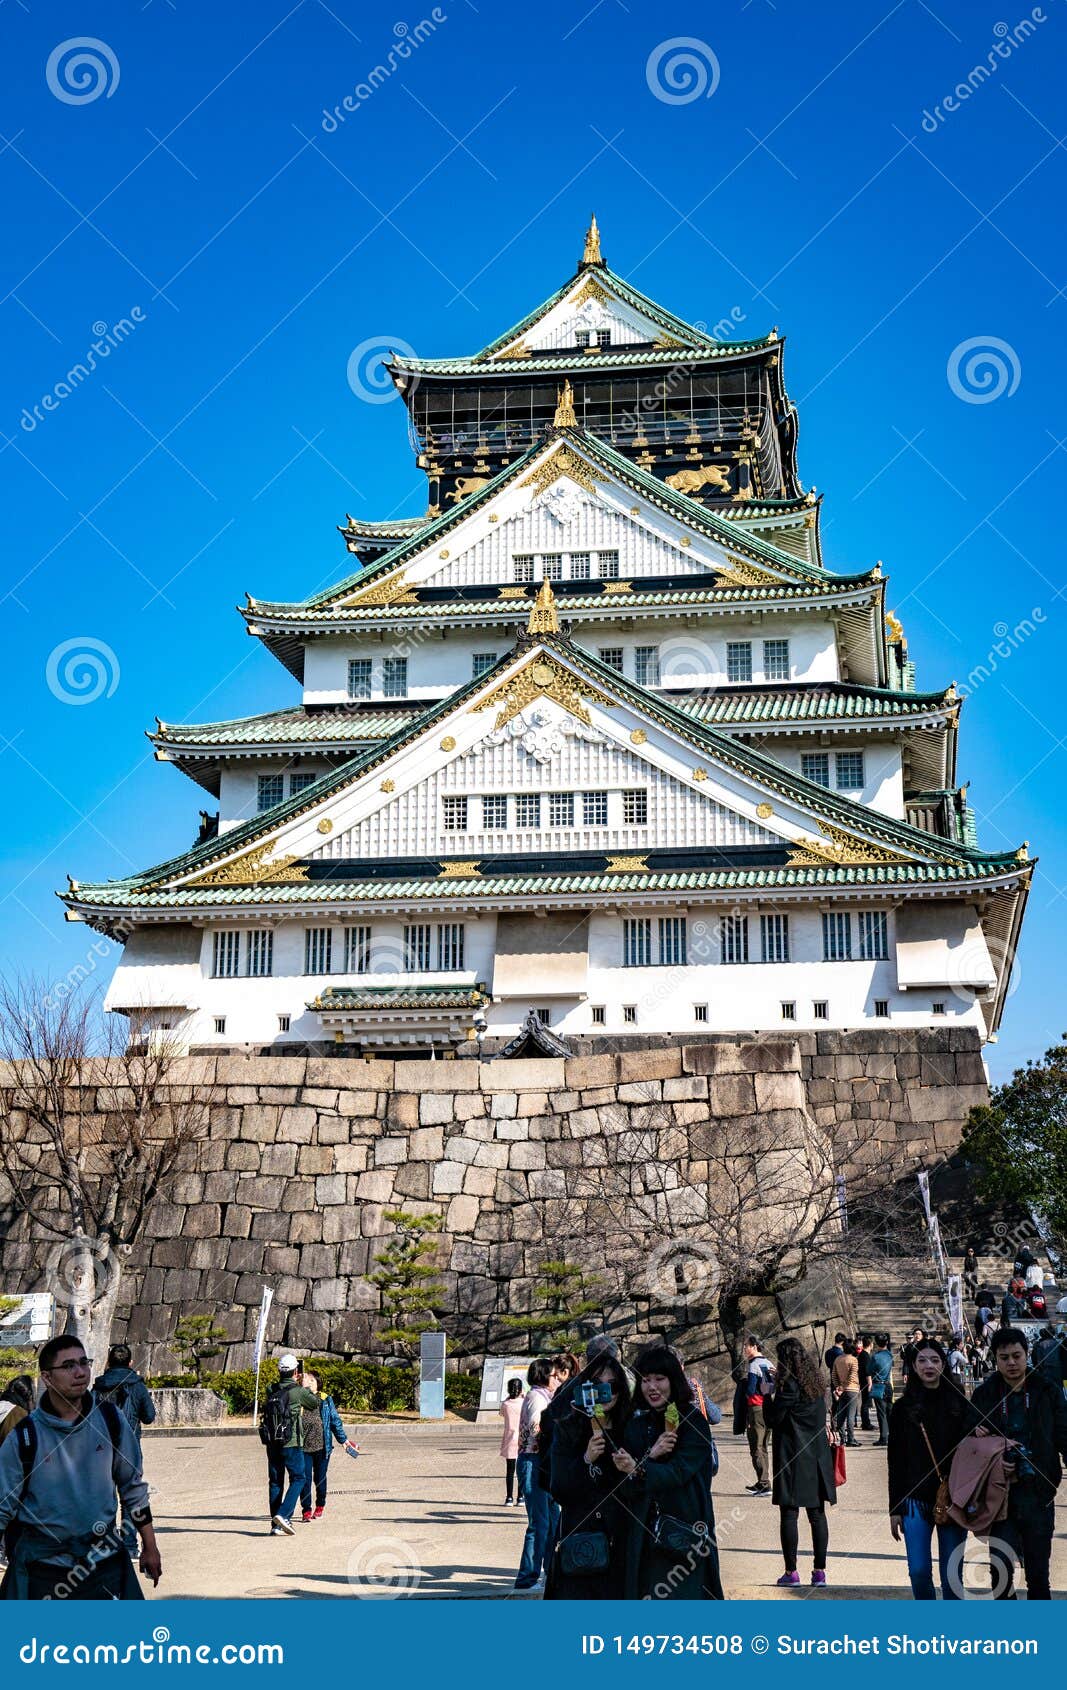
818, 1577
761, 1490
276, 1531
756, 1486
319, 1512
509, 1502
283, 1525
789, 1578
307, 1515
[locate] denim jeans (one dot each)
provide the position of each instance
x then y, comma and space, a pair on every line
317, 1462
285, 1465
846, 1408
542, 1516
918, 1526
881, 1409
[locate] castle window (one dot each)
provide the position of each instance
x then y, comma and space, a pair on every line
495, 810
837, 936
394, 677
220, 1023
552, 566
481, 663
284, 1023
359, 677
603, 337
318, 950
849, 771
607, 565
646, 665
734, 938
599, 1014
527, 809
260, 954
449, 946
629, 1014
357, 950
270, 790
561, 809
789, 1012
579, 566
881, 1008
937, 1007
300, 783
544, 1016
821, 1009
581, 337
673, 951
455, 815
637, 943
776, 660
815, 766
226, 954
774, 937
635, 808
739, 660
612, 656
700, 1012
417, 949
595, 809
522, 566
874, 935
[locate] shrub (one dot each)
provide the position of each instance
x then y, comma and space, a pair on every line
356, 1387
16, 1361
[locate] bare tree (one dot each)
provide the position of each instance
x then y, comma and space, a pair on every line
92, 1130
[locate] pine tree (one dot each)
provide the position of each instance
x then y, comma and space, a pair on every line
197, 1339
563, 1297
410, 1292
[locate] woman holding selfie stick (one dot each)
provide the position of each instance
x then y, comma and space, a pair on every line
587, 1563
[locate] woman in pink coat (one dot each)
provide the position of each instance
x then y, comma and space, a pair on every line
510, 1409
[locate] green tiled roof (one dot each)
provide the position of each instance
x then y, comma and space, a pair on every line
408, 997
291, 727
611, 358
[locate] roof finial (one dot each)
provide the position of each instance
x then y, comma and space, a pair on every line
565, 417
896, 631
544, 616
592, 254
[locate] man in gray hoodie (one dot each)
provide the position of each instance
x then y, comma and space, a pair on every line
62, 1473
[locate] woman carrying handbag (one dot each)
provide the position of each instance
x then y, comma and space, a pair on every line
588, 1560
804, 1455
927, 1424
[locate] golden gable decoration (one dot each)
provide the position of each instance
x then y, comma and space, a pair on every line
544, 616
542, 677
591, 289
842, 850
626, 865
564, 461
254, 868
467, 870
393, 590
742, 574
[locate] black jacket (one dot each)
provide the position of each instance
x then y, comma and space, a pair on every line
803, 1462
947, 1417
1046, 1438
589, 1499
677, 1485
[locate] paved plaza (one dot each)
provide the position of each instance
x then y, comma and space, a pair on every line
419, 1513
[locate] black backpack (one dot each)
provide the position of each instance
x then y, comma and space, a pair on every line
277, 1425
25, 1436
119, 1394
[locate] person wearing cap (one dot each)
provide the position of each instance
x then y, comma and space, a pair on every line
287, 1461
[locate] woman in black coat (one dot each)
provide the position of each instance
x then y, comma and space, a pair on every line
926, 1427
803, 1456
666, 1463
589, 1556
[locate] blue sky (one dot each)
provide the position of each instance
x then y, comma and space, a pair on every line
817, 180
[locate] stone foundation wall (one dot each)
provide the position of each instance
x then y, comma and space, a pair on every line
303, 1155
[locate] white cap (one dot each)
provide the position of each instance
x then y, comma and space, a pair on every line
287, 1363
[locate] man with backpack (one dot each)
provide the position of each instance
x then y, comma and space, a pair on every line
881, 1376
62, 1472
759, 1384
281, 1430
119, 1384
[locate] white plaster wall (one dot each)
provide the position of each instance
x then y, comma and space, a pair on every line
883, 788
239, 785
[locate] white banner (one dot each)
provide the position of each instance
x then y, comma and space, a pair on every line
261, 1329
924, 1192
955, 1302
937, 1247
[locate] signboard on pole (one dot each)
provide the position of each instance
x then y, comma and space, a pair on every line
496, 1374
261, 1338
432, 1376
30, 1322
924, 1192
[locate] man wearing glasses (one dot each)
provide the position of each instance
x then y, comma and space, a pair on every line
62, 1473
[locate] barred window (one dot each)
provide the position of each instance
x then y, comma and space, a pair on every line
595, 809
629, 1014
552, 566
495, 810
700, 1012
637, 942
394, 677
581, 337
599, 1014
635, 808
522, 566
874, 935
673, 949
739, 660
612, 656
482, 661
789, 1012
579, 566
359, 677
417, 949
774, 938
455, 815
646, 665
734, 938
270, 790
220, 1023
449, 946
318, 950
357, 950
776, 660
603, 337
561, 809
837, 936
815, 766
881, 1008
527, 809
300, 783
284, 1023
820, 1009
260, 955
849, 769
226, 954
607, 565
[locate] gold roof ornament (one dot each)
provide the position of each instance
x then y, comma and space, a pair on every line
896, 629
592, 253
565, 417
253, 868
542, 677
544, 615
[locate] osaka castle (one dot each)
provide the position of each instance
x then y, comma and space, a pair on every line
598, 749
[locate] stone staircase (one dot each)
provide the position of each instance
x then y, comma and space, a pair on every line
896, 1294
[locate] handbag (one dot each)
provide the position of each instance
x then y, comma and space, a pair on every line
943, 1500
679, 1537
840, 1475
584, 1553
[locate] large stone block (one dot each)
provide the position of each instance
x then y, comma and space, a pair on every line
413, 1180
243, 1157
205, 1221
261, 1070
527, 1156
330, 1294
260, 1122
332, 1130
315, 1159
421, 1077
731, 1094
435, 1108
390, 1152
462, 1214
351, 1071
305, 1227
639, 1066
719, 1058
426, 1144
522, 1074
585, 1071
340, 1222
350, 1158
689, 1088
376, 1187
278, 1159
779, 1090
448, 1178
307, 1330
479, 1182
